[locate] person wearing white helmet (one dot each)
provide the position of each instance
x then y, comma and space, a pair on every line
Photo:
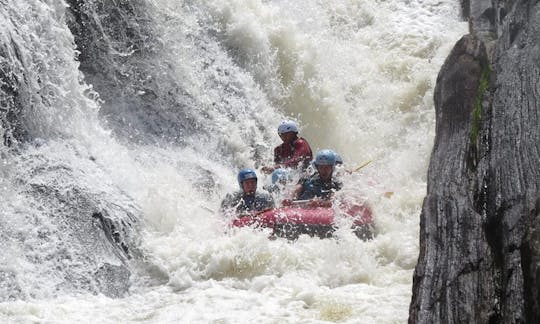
247, 200
294, 152
321, 186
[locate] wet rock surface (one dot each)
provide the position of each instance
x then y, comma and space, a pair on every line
74, 233
479, 238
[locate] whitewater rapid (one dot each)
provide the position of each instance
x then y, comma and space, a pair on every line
358, 76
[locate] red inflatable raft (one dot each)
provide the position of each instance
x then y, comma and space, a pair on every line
292, 221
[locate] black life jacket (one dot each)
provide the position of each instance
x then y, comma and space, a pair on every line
315, 187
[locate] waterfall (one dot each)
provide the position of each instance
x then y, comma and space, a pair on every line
124, 124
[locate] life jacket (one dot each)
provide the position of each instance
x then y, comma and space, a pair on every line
298, 154
247, 203
314, 186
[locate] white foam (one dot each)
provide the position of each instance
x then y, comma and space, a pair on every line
359, 77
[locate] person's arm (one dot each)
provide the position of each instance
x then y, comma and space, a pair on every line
294, 196
297, 191
270, 169
268, 202
277, 154
328, 201
271, 203
226, 202
228, 206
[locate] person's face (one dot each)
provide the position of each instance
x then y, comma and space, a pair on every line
287, 137
249, 186
325, 171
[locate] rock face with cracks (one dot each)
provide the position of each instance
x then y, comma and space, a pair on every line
479, 256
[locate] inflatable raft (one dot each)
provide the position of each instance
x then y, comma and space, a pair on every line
290, 222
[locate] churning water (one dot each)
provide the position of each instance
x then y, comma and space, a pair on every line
133, 117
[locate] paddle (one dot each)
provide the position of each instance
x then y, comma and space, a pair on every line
306, 203
361, 166
289, 202
300, 202
387, 194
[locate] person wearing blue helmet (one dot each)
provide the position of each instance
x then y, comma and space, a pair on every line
340, 168
247, 200
294, 152
280, 175
339, 159
280, 179
321, 185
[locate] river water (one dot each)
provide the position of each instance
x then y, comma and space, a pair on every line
357, 75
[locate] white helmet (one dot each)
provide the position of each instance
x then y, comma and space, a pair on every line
287, 126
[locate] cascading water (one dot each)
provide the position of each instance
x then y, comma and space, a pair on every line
125, 122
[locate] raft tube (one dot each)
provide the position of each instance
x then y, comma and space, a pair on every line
290, 222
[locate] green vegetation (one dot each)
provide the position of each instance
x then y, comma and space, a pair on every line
477, 108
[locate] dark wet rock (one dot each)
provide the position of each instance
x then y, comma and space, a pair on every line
120, 57
9, 287
112, 280
164, 80
479, 237
530, 251
451, 254
76, 233
12, 96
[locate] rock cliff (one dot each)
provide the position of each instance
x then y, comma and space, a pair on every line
479, 256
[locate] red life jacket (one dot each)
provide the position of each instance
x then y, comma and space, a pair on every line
295, 155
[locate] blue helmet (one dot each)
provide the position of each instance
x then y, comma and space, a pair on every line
246, 174
279, 174
287, 126
325, 157
339, 160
